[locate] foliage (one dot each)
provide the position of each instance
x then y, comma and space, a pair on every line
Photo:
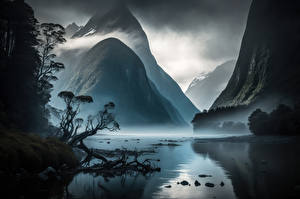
50, 36
32, 153
19, 61
27, 66
215, 119
70, 124
281, 121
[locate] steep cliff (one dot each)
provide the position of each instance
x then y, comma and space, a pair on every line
267, 70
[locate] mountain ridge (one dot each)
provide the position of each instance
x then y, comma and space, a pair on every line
267, 67
203, 91
111, 71
120, 19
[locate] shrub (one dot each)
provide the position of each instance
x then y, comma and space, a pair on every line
19, 150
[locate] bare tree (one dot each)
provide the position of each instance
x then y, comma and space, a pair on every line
71, 125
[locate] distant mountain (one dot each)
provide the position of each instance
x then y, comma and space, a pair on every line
204, 90
267, 70
71, 29
111, 71
120, 20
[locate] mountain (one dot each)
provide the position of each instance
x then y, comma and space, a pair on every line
267, 70
111, 71
71, 29
120, 21
204, 91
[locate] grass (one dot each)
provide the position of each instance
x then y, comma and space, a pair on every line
33, 153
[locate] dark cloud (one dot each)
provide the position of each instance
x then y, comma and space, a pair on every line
191, 14
178, 14
214, 26
221, 22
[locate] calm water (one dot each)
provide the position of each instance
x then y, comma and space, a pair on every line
250, 168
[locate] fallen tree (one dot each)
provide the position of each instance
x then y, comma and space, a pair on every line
73, 132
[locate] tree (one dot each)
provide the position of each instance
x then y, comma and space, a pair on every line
50, 36
19, 63
71, 124
259, 122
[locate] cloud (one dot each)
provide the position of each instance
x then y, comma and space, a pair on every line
84, 43
186, 37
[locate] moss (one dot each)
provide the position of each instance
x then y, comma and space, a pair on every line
33, 153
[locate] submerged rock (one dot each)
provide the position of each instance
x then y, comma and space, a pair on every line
184, 183
222, 184
204, 176
163, 144
197, 183
208, 184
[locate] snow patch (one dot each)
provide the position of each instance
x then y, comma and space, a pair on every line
196, 80
90, 32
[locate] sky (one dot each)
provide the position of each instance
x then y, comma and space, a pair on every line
187, 37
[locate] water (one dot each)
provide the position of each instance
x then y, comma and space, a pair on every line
267, 167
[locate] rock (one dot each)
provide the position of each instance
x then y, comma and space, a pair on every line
208, 184
178, 182
204, 176
108, 142
197, 183
168, 186
172, 141
184, 183
222, 184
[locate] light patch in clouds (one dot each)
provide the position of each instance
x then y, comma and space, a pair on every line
182, 56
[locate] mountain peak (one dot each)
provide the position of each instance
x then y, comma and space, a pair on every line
111, 71
71, 29
118, 18
204, 91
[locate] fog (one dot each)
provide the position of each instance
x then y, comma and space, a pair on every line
83, 44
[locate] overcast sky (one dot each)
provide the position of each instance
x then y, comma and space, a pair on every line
187, 37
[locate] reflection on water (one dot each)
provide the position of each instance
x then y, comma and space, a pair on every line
267, 167
247, 169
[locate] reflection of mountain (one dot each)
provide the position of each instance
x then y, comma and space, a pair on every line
257, 170
268, 63
111, 71
203, 92
121, 22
